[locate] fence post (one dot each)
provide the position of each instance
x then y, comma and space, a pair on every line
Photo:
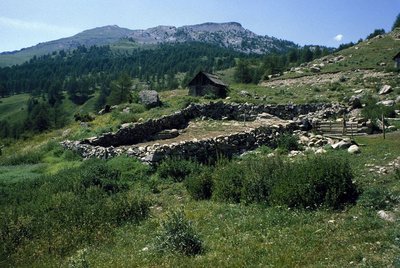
383, 126
344, 124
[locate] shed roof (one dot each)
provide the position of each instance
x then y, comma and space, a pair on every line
215, 79
212, 77
396, 56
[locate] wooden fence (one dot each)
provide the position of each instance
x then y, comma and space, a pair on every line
334, 128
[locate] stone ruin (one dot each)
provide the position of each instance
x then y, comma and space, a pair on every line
273, 120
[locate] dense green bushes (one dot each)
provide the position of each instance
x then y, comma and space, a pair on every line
59, 213
287, 142
177, 169
200, 184
308, 183
318, 181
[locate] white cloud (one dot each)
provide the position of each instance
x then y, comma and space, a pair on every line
35, 26
338, 37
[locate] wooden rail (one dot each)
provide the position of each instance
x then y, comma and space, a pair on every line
335, 128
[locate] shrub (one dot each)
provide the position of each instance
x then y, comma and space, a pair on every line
186, 101
310, 183
228, 182
199, 184
83, 117
130, 168
178, 235
176, 169
98, 174
316, 181
288, 142
258, 178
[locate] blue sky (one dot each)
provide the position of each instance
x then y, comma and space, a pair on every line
25, 23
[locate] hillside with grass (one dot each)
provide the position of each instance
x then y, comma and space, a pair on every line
297, 201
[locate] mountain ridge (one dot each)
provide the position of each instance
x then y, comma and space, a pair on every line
228, 34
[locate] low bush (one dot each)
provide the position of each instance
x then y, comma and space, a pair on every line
131, 169
83, 117
177, 169
258, 179
288, 142
228, 181
178, 235
199, 184
314, 182
309, 183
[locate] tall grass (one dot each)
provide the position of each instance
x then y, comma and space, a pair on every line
59, 213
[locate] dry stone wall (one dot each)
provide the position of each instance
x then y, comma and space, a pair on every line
123, 141
141, 132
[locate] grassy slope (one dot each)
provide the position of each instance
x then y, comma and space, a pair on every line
13, 108
238, 235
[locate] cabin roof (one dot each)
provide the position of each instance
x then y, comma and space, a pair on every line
212, 77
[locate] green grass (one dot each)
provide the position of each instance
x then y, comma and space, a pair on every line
11, 174
233, 235
13, 108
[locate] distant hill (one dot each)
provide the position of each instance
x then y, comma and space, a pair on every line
229, 35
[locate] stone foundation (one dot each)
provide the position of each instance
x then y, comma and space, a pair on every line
123, 141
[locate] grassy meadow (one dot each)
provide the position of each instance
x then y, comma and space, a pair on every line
59, 211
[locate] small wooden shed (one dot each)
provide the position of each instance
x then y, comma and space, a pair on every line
207, 84
397, 61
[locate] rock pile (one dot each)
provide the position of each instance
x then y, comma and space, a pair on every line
389, 168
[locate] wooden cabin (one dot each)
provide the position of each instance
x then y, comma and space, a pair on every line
207, 84
397, 61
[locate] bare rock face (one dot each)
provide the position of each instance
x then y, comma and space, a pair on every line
149, 98
385, 90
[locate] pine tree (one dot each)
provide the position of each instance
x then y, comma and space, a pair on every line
120, 89
243, 72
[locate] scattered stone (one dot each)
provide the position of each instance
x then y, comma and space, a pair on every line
387, 103
387, 216
354, 149
320, 151
385, 90
244, 93
341, 145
